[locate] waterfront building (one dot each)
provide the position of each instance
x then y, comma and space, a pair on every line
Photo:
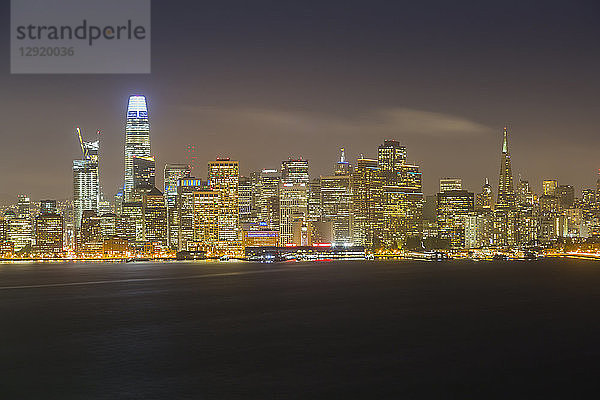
453, 207
206, 205
223, 177
49, 232
293, 207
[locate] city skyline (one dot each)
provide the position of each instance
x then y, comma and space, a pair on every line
431, 183
372, 208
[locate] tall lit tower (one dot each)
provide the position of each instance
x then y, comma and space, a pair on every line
224, 177
506, 190
390, 157
505, 211
86, 183
137, 140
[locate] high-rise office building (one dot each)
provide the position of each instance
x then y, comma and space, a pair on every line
453, 207
48, 207
367, 204
315, 202
293, 210
390, 156
245, 200
137, 140
90, 235
524, 193
49, 231
506, 192
566, 196
23, 206
336, 197
132, 220
548, 214
402, 206
295, 171
108, 226
144, 176
185, 209
550, 187
343, 167
3, 229
206, 221
267, 198
505, 208
172, 174
450, 184
223, 177
155, 217
20, 226
86, 180
478, 229
485, 199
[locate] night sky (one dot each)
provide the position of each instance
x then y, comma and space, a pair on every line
260, 81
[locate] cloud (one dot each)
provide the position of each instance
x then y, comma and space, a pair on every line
392, 123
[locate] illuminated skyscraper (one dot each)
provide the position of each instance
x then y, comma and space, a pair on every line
185, 209
132, 220
315, 203
49, 233
367, 204
453, 208
293, 210
86, 181
485, 199
548, 218
550, 186
524, 193
343, 167
267, 198
90, 241
505, 209
566, 196
223, 177
390, 156
294, 171
450, 184
245, 199
144, 176
48, 207
137, 140
336, 197
206, 221
172, 174
20, 226
403, 207
402, 196
506, 191
155, 217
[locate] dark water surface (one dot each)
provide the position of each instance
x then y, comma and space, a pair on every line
304, 330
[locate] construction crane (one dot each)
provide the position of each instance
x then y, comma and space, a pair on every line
84, 150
